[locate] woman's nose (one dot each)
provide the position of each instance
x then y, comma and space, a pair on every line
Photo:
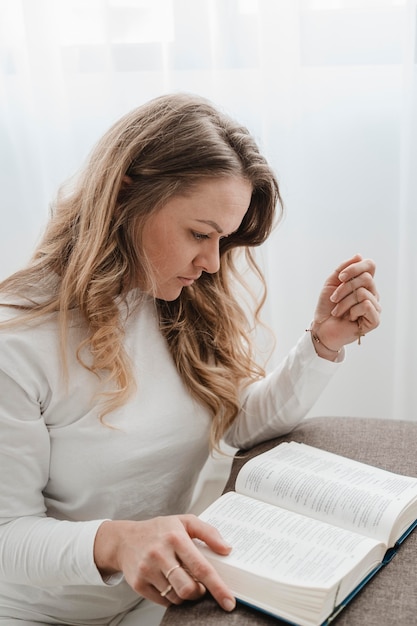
208, 259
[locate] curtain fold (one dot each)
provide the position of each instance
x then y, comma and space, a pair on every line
328, 87
405, 365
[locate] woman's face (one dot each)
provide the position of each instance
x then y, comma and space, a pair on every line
181, 240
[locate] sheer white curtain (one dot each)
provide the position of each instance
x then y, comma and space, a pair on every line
327, 86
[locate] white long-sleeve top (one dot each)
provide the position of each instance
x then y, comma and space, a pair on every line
63, 471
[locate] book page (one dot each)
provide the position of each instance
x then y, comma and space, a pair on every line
286, 546
328, 487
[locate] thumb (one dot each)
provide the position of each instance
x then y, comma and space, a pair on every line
197, 529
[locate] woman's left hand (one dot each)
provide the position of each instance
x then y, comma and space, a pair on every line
348, 307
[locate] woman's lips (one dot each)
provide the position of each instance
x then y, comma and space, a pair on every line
188, 281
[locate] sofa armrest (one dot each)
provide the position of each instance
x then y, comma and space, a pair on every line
390, 597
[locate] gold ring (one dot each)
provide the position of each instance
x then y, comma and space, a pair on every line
167, 590
168, 574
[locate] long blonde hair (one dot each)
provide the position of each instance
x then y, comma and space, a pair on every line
92, 244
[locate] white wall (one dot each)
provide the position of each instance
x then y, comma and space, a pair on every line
329, 90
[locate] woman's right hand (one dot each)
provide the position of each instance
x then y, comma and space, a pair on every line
146, 551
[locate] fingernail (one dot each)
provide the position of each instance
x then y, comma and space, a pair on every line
342, 276
333, 297
228, 604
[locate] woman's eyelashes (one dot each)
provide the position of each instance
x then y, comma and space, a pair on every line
200, 236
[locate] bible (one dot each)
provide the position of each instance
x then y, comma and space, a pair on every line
308, 529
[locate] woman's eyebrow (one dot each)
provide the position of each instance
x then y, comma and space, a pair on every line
212, 224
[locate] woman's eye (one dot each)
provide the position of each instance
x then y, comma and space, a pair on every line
200, 236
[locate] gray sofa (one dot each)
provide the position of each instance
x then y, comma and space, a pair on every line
390, 597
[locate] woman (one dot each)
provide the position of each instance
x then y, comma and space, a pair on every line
125, 354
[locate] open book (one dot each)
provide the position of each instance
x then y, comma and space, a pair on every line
308, 529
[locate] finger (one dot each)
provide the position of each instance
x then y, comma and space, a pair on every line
357, 268
334, 279
362, 280
199, 568
355, 259
197, 529
367, 314
170, 594
152, 593
185, 585
164, 593
352, 302
174, 582
204, 572
353, 284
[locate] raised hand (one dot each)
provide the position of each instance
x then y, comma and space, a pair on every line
348, 307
